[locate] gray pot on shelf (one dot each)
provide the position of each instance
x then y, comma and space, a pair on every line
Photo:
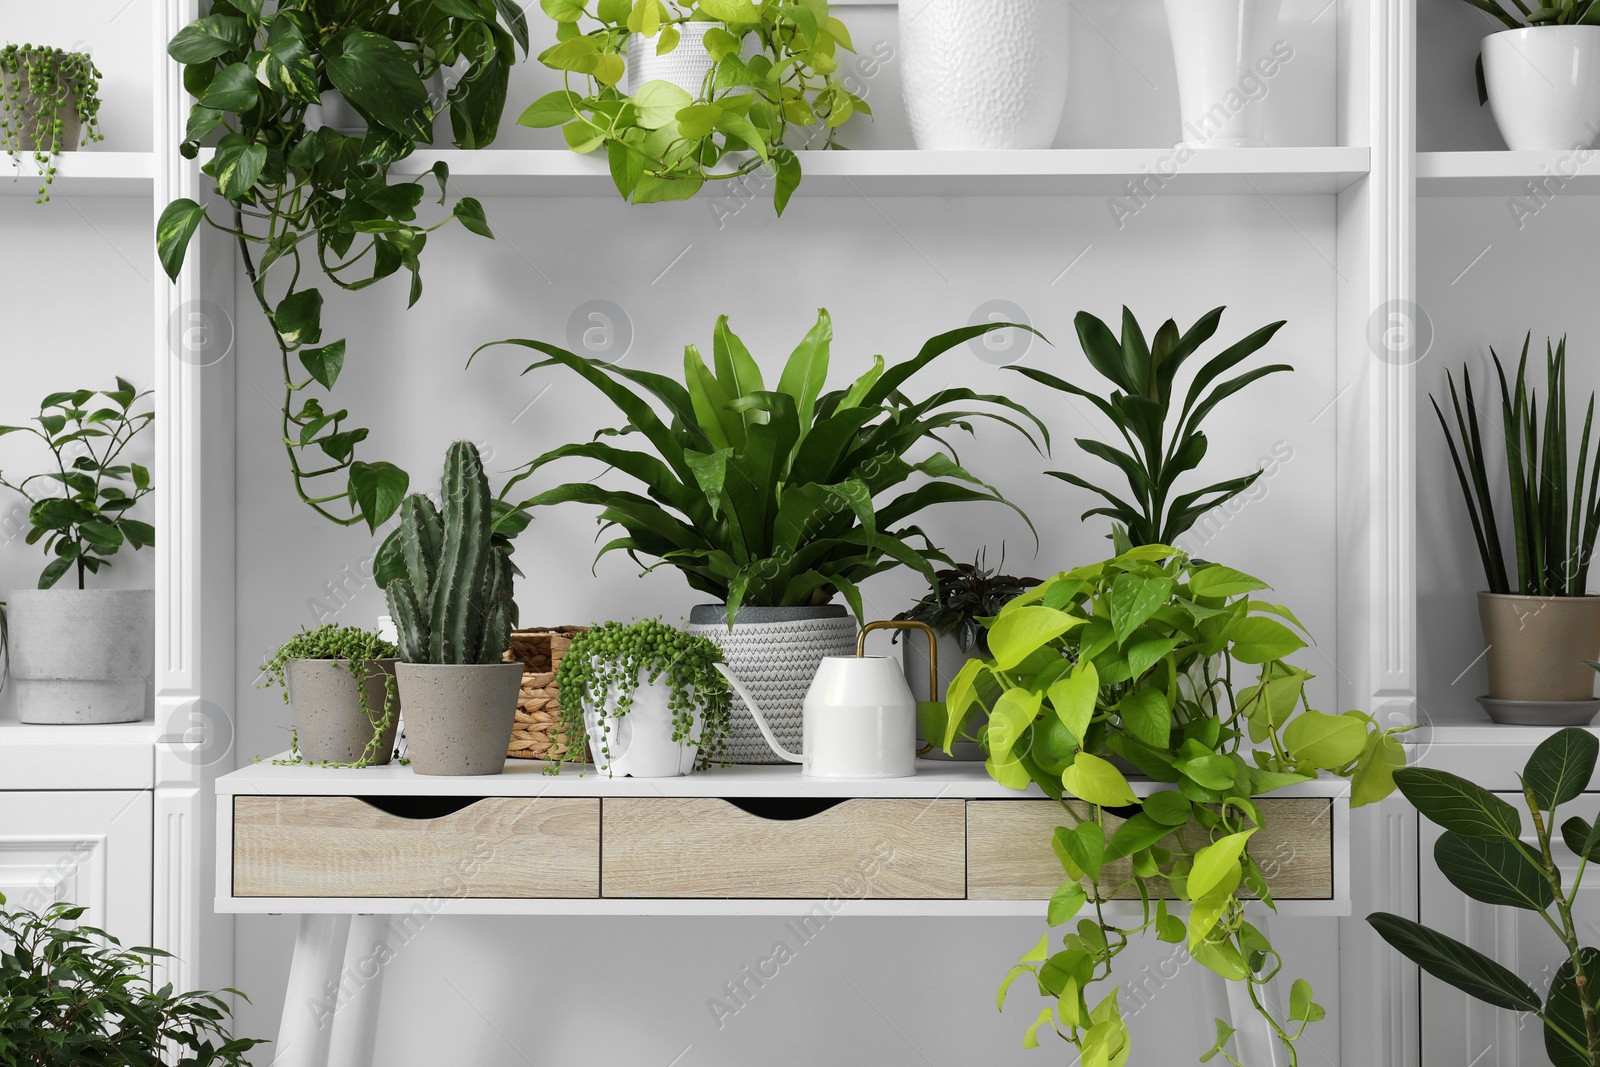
459, 716
27, 127
1536, 648
952, 658
775, 652
330, 724
81, 656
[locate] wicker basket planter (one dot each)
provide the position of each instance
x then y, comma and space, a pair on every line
537, 731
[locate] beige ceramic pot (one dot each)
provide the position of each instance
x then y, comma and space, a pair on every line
1537, 645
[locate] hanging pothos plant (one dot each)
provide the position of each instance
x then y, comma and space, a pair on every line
48, 99
769, 75
304, 198
1137, 661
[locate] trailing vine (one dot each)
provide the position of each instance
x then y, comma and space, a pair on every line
359, 652
605, 665
38, 87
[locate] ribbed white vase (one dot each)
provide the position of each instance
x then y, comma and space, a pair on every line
1217, 46
686, 66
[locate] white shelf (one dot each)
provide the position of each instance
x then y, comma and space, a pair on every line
86, 173
112, 756
1045, 172
1507, 173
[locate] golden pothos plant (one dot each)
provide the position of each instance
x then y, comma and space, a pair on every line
1179, 670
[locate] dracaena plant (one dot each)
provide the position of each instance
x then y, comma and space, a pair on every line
1181, 670
1485, 854
775, 496
301, 199
1141, 405
769, 88
1555, 13
40, 88
1554, 539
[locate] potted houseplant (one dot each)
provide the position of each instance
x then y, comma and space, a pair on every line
984, 76
300, 198
1143, 375
1539, 630
453, 612
73, 994
1540, 75
649, 698
340, 681
1218, 48
1484, 852
81, 655
717, 89
955, 607
766, 500
1137, 664
49, 103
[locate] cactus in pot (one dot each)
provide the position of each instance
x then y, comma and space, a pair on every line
453, 612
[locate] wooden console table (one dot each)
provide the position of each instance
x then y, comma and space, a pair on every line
332, 844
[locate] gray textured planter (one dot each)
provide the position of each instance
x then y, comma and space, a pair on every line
329, 723
459, 717
82, 655
35, 115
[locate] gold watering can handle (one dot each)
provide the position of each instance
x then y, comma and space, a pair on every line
908, 624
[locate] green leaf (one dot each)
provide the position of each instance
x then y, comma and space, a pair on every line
1138, 833
1459, 965
740, 12
658, 102
1561, 767
469, 212
325, 363
286, 66
207, 38
551, 109
807, 368
1147, 716
1374, 777
1457, 804
141, 476
1327, 741
1219, 581
102, 535
1301, 1007
377, 489
233, 89
1017, 634
1065, 903
1564, 1007
1095, 780
1260, 640
1017, 971
1134, 598
1013, 713
1224, 1035
1073, 697
176, 226
1213, 862
236, 166
298, 318
1085, 845
1169, 808
1493, 871
1030, 1038
376, 76
1210, 907
788, 174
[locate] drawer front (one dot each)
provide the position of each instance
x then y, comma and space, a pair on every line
499, 847
857, 849
1009, 856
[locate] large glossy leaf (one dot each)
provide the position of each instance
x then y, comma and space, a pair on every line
376, 76
1018, 634
1561, 767
1493, 871
1460, 965
807, 369
1457, 804
207, 38
173, 231
286, 66
1564, 1008
1095, 780
1147, 715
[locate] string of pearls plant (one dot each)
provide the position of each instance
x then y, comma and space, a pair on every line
359, 651
39, 87
605, 666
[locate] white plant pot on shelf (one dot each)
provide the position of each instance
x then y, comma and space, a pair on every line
1544, 86
639, 744
686, 66
1220, 49
984, 74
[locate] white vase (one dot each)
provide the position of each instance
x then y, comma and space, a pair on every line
639, 743
686, 66
984, 74
1221, 49
1544, 86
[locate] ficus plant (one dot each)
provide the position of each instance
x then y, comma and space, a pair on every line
40, 89
769, 88
1181, 670
302, 199
774, 497
1163, 437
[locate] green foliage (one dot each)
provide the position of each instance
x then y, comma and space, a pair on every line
88, 522
605, 666
1140, 407
665, 143
39, 87
770, 497
1557, 13
1133, 661
1483, 854
71, 994
359, 650
1554, 542
962, 597
300, 199
452, 602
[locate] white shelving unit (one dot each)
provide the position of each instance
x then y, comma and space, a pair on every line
1507, 173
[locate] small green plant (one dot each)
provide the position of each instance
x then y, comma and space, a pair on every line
40, 88
1556, 13
1144, 375
1484, 854
962, 597
453, 602
359, 650
1554, 541
605, 666
71, 994
665, 143
88, 523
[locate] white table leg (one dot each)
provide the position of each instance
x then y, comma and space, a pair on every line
313, 994
355, 1032
1257, 1045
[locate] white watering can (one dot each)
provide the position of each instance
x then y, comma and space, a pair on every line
860, 719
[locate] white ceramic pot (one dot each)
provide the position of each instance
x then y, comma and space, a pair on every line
984, 74
1219, 47
1544, 86
639, 744
82, 656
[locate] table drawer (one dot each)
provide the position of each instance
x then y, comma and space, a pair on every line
1009, 856
853, 849
497, 847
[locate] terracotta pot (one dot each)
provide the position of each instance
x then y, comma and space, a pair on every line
329, 723
1537, 645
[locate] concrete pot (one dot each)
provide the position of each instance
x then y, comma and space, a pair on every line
1544, 86
459, 716
81, 655
28, 136
1537, 646
329, 723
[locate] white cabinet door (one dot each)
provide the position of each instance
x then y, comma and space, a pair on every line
1458, 1031
89, 848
